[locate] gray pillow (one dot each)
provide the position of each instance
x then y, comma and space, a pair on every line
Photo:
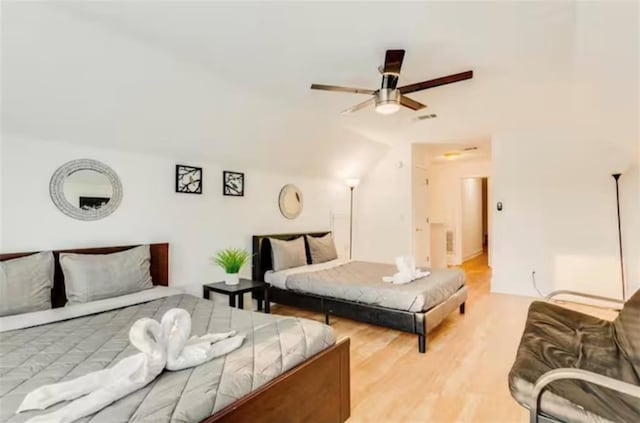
287, 254
90, 277
25, 284
322, 248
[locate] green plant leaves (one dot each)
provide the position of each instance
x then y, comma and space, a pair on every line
231, 259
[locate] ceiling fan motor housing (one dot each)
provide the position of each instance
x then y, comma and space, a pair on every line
387, 96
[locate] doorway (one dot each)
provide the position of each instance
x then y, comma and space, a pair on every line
474, 214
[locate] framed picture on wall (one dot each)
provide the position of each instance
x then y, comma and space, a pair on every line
233, 183
188, 179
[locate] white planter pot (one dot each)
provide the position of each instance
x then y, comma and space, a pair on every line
232, 279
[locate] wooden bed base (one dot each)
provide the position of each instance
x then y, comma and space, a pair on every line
406, 321
317, 390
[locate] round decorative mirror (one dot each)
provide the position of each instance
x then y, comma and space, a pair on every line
290, 201
85, 189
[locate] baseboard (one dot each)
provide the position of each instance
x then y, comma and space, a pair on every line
473, 255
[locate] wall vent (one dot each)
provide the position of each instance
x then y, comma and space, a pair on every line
450, 242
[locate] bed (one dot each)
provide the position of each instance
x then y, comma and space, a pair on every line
355, 290
288, 369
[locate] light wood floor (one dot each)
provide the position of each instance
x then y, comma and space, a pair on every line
461, 378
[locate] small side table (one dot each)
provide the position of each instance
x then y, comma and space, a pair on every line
233, 291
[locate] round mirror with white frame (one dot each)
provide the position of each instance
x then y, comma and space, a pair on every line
85, 189
290, 201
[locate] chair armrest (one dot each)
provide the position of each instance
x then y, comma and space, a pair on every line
577, 374
584, 295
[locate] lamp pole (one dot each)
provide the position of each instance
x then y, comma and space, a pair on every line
616, 176
352, 183
351, 223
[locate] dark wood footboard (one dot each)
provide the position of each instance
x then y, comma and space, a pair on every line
317, 390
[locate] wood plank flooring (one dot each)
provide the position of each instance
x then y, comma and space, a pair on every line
461, 378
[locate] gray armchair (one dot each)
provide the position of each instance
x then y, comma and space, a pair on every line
571, 367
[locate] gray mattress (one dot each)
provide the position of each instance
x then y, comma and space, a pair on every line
64, 350
361, 282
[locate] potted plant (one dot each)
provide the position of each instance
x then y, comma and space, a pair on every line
231, 260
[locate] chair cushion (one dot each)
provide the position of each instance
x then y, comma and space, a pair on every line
556, 337
627, 328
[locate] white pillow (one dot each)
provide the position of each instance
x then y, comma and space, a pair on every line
25, 284
322, 248
90, 277
287, 254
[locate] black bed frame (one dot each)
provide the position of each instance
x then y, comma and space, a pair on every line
395, 319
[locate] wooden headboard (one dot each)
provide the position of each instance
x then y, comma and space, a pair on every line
262, 251
159, 266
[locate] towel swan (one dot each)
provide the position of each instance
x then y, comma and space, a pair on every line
407, 271
184, 352
166, 344
106, 386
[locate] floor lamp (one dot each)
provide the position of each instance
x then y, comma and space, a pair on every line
352, 184
616, 176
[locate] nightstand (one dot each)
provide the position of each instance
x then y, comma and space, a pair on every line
233, 291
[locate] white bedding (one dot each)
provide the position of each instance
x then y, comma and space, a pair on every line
36, 318
279, 279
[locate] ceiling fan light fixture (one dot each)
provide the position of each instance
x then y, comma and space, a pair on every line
387, 108
387, 101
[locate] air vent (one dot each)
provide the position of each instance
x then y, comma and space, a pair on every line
450, 242
431, 116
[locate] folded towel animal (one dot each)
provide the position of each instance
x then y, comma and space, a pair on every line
407, 271
184, 352
106, 386
165, 344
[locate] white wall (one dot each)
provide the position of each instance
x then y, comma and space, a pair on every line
445, 193
559, 215
1, 196
383, 209
471, 210
194, 225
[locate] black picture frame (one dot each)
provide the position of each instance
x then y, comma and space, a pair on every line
232, 183
188, 179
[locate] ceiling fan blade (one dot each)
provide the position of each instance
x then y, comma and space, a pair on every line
342, 89
393, 61
359, 106
419, 86
412, 104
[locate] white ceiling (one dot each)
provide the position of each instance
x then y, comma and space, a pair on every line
230, 81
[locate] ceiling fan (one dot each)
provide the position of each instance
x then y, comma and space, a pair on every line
389, 97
